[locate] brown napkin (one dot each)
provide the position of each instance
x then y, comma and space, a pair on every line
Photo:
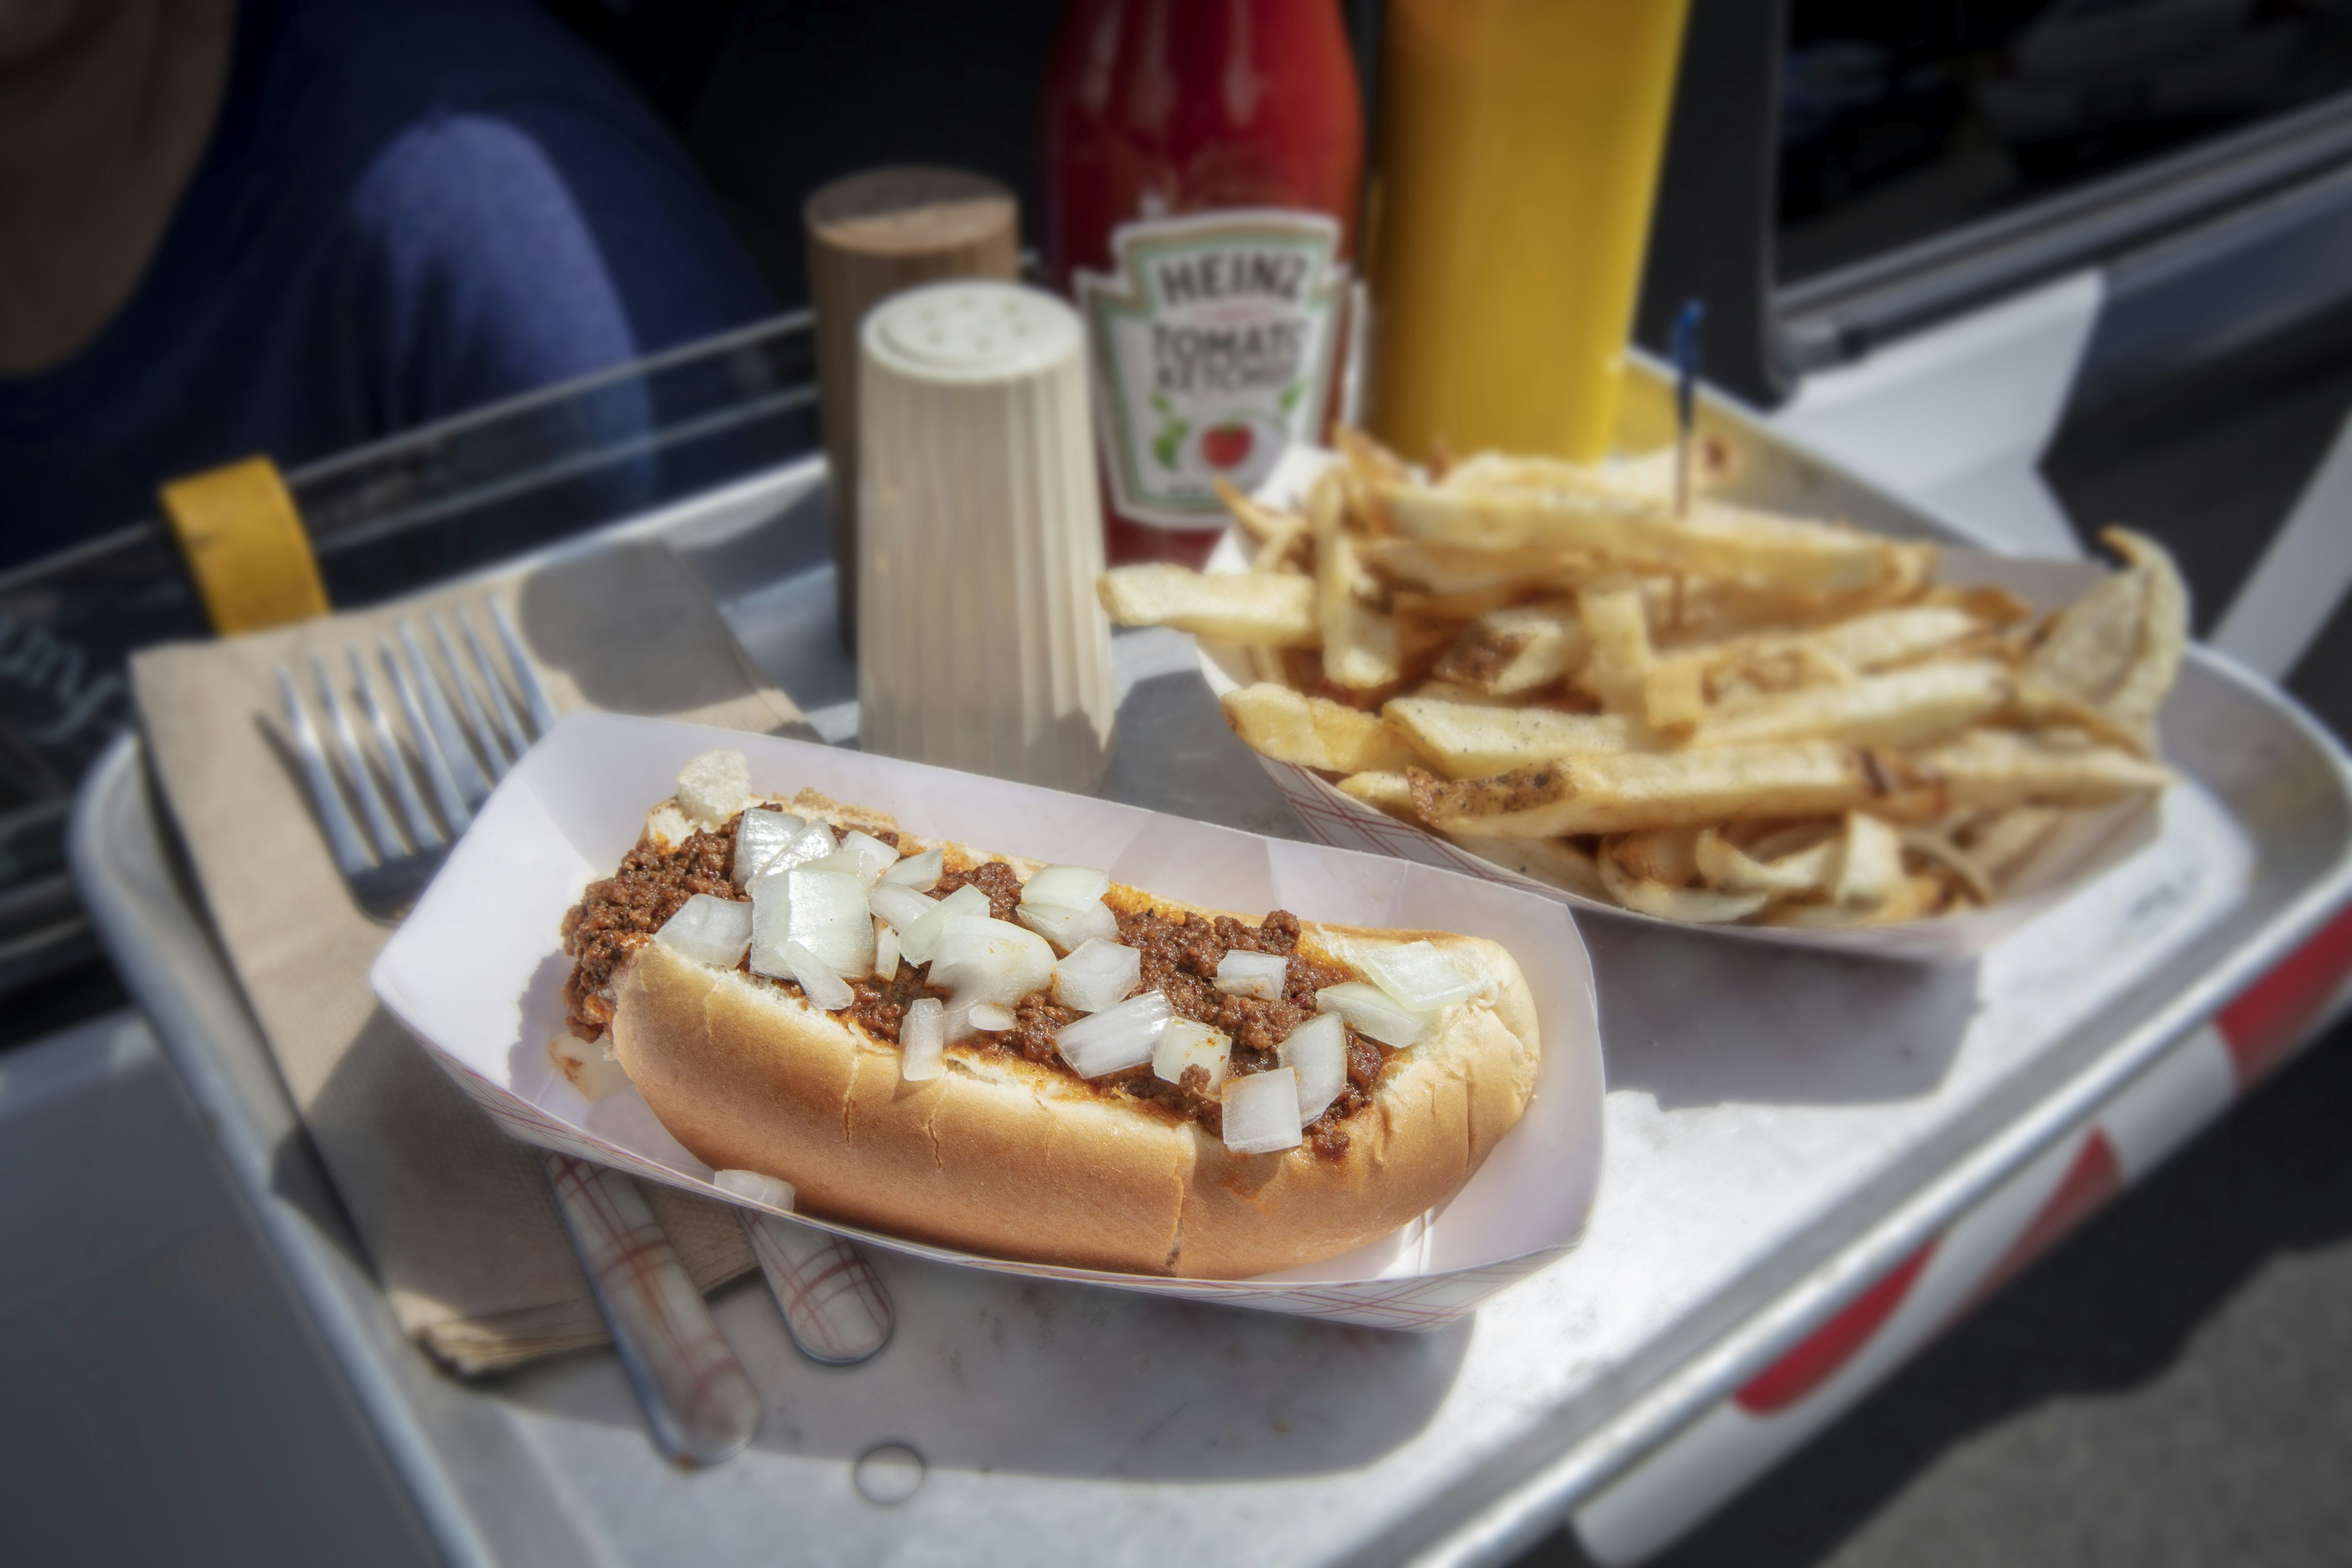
455, 1218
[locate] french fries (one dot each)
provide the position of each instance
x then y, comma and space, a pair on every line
1617, 666
1637, 790
1362, 648
1448, 569
1692, 906
1521, 649
1868, 642
1314, 731
1722, 864
1999, 841
1711, 716
1640, 531
1255, 608
1462, 740
1554, 860
1904, 708
1390, 793
2008, 768
2163, 637
1869, 863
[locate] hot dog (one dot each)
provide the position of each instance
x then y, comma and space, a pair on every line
1003, 1056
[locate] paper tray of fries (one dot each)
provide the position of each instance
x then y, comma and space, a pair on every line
1782, 730
475, 975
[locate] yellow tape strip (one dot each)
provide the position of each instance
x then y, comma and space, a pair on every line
245, 547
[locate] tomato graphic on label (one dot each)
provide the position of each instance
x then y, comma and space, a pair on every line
1227, 446
1238, 447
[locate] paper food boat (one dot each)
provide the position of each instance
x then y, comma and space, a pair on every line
2089, 844
475, 972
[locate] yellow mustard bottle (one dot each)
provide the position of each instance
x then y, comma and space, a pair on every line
1516, 166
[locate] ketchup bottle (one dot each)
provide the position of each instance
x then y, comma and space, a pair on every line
1203, 162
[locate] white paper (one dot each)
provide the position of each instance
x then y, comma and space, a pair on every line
475, 973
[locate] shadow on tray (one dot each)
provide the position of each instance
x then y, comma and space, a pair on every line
1026, 1376
993, 1373
1173, 751
1720, 1019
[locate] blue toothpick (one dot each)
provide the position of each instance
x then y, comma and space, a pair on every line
1687, 322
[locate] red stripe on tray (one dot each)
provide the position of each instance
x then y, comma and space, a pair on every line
2269, 1018
1816, 1358
2095, 1176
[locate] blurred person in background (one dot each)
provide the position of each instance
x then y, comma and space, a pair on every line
288, 226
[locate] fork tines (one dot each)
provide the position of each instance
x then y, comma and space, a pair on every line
456, 760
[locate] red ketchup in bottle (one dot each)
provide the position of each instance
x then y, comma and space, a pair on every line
1203, 164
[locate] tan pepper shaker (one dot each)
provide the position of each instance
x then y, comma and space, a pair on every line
871, 236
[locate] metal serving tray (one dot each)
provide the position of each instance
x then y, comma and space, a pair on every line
1781, 1128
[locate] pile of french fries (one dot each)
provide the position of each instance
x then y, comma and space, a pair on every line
1709, 714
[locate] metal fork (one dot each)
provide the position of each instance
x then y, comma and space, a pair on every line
835, 1306
698, 1401
388, 865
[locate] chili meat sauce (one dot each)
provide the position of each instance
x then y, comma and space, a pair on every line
1181, 953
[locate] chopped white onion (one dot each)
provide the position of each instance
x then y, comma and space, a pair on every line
956, 1024
829, 918
919, 941
771, 925
1116, 1037
757, 1187
1373, 1012
1261, 1112
819, 984
874, 855
1317, 1052
902, 906
1259, 974
1070, 929
1097, 975
990, 961
1185, 1044
1065, 887
885, 949
1417, 975
990, 1019
921, 1039
813, 842
709, 930
920, 872
848, 862
758, 838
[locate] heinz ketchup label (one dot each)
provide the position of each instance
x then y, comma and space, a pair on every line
1215, 340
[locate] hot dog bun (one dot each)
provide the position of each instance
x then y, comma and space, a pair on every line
1005, 1156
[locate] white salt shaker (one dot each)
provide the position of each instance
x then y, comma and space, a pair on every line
982, 644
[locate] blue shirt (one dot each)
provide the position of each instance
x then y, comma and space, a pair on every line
408, 207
